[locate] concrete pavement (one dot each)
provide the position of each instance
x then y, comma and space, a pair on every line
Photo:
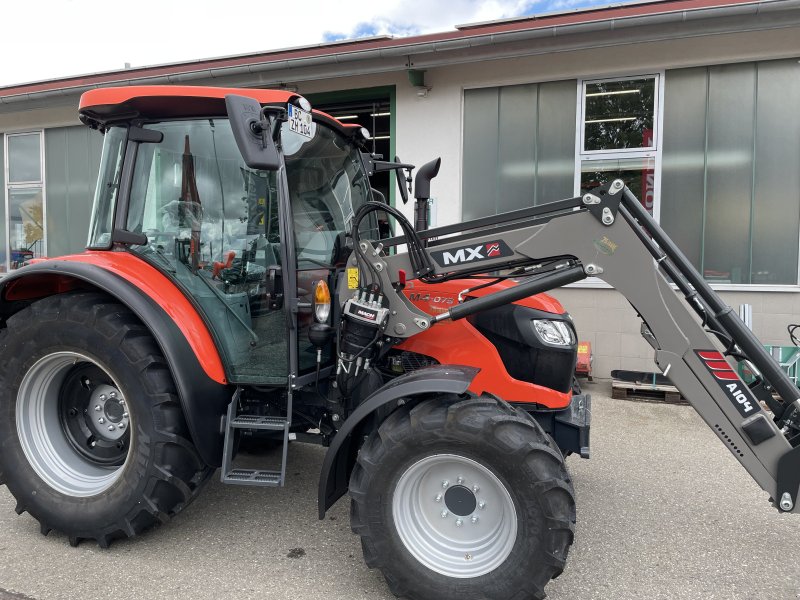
664, 512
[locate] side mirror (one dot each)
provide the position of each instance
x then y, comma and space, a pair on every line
373, 165
252, 133
402, 181
422, 183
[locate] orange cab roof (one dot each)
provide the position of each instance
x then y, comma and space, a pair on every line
105, 105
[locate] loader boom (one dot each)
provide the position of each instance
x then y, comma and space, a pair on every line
607, 234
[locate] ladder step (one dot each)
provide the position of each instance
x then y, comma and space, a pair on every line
258, 422
253, 477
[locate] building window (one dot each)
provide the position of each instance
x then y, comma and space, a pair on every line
731, 183
24, 198
619, 115
519, 147
619, 137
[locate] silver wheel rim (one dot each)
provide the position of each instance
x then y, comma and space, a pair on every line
431, 512
42, 435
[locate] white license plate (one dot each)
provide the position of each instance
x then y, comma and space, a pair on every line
300, 121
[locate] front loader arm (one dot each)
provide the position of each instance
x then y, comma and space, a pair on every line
608, 234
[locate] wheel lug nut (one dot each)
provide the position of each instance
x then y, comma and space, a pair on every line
474, 519
101, 420
444, 514
459, 522
124, 415
460, 480
121, 402
113, 395
102, 396
121, 425
481, 504
111, 428
438, 497
445, 483
98, 408
475, 489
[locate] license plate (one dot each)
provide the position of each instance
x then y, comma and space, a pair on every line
300, 121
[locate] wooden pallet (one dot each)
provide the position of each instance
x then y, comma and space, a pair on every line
646, 392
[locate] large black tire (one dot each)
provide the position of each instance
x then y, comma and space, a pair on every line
57, 356
506, 443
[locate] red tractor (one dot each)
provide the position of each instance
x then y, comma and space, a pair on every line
201, 317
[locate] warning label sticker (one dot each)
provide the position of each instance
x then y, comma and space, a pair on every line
352, 278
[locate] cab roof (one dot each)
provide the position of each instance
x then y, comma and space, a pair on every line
103, 106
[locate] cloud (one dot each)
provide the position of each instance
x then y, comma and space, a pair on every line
415, 17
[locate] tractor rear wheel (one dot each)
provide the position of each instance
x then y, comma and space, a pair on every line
463, 498
94, 442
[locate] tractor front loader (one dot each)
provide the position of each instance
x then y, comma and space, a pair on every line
237, 289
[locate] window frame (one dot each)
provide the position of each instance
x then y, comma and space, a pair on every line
651, 153
40, 184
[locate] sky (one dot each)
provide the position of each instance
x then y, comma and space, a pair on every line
48, 39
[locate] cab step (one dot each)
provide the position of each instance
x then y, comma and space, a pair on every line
253, 477
246, 476
258, 422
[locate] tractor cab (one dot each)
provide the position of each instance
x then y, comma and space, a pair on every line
248, 246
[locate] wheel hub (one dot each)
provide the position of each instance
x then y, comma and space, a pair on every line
108, 415
460, 501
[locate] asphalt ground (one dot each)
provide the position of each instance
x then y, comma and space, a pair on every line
664, 512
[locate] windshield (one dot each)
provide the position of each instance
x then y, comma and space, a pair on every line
327, 185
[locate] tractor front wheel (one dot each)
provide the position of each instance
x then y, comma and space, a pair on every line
463, 499
93, 442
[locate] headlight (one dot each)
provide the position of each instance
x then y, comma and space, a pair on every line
558, 333
322, 302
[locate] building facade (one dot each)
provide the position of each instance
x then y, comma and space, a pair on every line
694, 103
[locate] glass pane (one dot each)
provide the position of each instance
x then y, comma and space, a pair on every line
479, 197
516, 153
25, 223
105, 198
327, 185
729, 174
683, 160
211, 223
636, 173
776, 199
619, 114
24, 158
555, 144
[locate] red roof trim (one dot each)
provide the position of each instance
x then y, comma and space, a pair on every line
354, 46
118, 95
103, 105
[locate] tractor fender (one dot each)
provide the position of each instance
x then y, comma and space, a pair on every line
203, 399
341, 455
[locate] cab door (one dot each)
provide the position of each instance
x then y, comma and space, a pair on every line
326, 185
